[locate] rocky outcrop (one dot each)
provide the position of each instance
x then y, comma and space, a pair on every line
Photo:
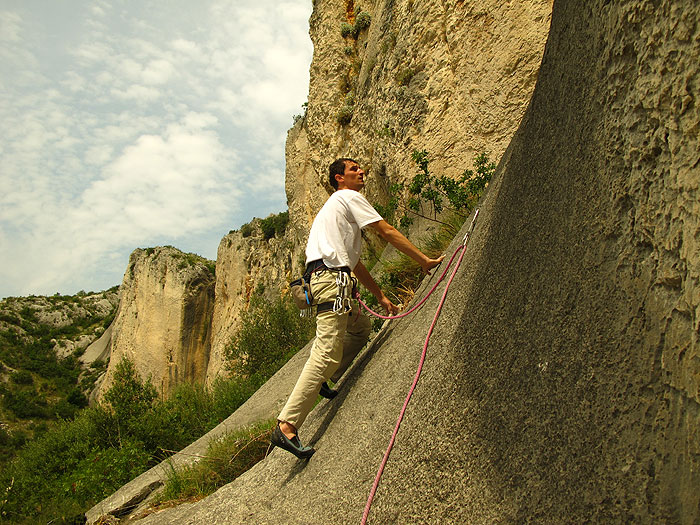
74, 321
163, 323
246, 263
561, 385
452, 78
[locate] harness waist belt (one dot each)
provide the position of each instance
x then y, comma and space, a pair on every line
318, 265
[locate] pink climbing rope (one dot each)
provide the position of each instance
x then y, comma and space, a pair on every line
415, 307
462, 249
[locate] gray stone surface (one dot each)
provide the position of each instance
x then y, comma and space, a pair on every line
561, 385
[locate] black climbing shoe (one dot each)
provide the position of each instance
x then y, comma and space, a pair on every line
327, 392
293, 445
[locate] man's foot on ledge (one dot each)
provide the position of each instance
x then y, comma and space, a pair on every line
292, 445
327, 392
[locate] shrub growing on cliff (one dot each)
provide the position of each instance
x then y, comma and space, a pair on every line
429, 195
269, 334
274, 225
362, 21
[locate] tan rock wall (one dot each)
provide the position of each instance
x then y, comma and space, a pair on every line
164, 319
473, 69
244, 265
561, 381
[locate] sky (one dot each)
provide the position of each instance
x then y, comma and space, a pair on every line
134, 123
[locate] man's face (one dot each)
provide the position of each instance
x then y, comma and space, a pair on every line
353, 178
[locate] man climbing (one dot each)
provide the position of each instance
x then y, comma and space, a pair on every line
332, 251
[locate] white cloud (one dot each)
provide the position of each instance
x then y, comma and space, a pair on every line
147, 127
136, 93
158, 72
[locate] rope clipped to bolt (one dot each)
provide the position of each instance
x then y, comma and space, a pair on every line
461, 250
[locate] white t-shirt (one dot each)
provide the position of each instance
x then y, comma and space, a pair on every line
335, 234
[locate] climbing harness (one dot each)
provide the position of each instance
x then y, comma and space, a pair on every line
461, 250
343, 303
303, 298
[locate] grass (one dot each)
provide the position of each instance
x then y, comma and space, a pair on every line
225, 460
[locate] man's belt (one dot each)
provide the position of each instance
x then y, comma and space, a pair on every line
318, 265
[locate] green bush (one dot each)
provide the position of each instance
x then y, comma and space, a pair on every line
274, 225
73, 464
269, 334
129, 398
22, 377
346, 29
344, 116
247, 230
404, 77
25, 404
429, 195
362, 21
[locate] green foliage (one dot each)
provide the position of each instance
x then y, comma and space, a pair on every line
344, 115
129, 398
362, 21
74, 464
269, 334
428, 196
404, 76
274, 225
346, 29
247, 230
22, 377
25, 403
224, 461
64, 470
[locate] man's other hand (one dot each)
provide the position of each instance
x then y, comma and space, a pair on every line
390, 307
429, 264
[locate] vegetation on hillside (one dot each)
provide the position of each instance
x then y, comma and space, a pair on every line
41, 379
78, 462
439, 199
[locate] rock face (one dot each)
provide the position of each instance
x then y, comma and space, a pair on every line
452, 78
244, 265
163, 323
562, 382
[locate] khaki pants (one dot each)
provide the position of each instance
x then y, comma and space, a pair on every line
339, 338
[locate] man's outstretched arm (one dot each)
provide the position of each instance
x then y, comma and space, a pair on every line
399, 241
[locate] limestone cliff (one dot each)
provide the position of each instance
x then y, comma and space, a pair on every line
471, 72
246, 263
453, 78
163, 323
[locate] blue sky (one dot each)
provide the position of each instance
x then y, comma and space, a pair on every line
130, 124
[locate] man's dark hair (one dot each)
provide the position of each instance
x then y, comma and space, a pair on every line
337, 168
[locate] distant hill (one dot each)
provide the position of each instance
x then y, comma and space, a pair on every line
41, 377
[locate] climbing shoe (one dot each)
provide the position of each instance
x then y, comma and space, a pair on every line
293, 445
327, 392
